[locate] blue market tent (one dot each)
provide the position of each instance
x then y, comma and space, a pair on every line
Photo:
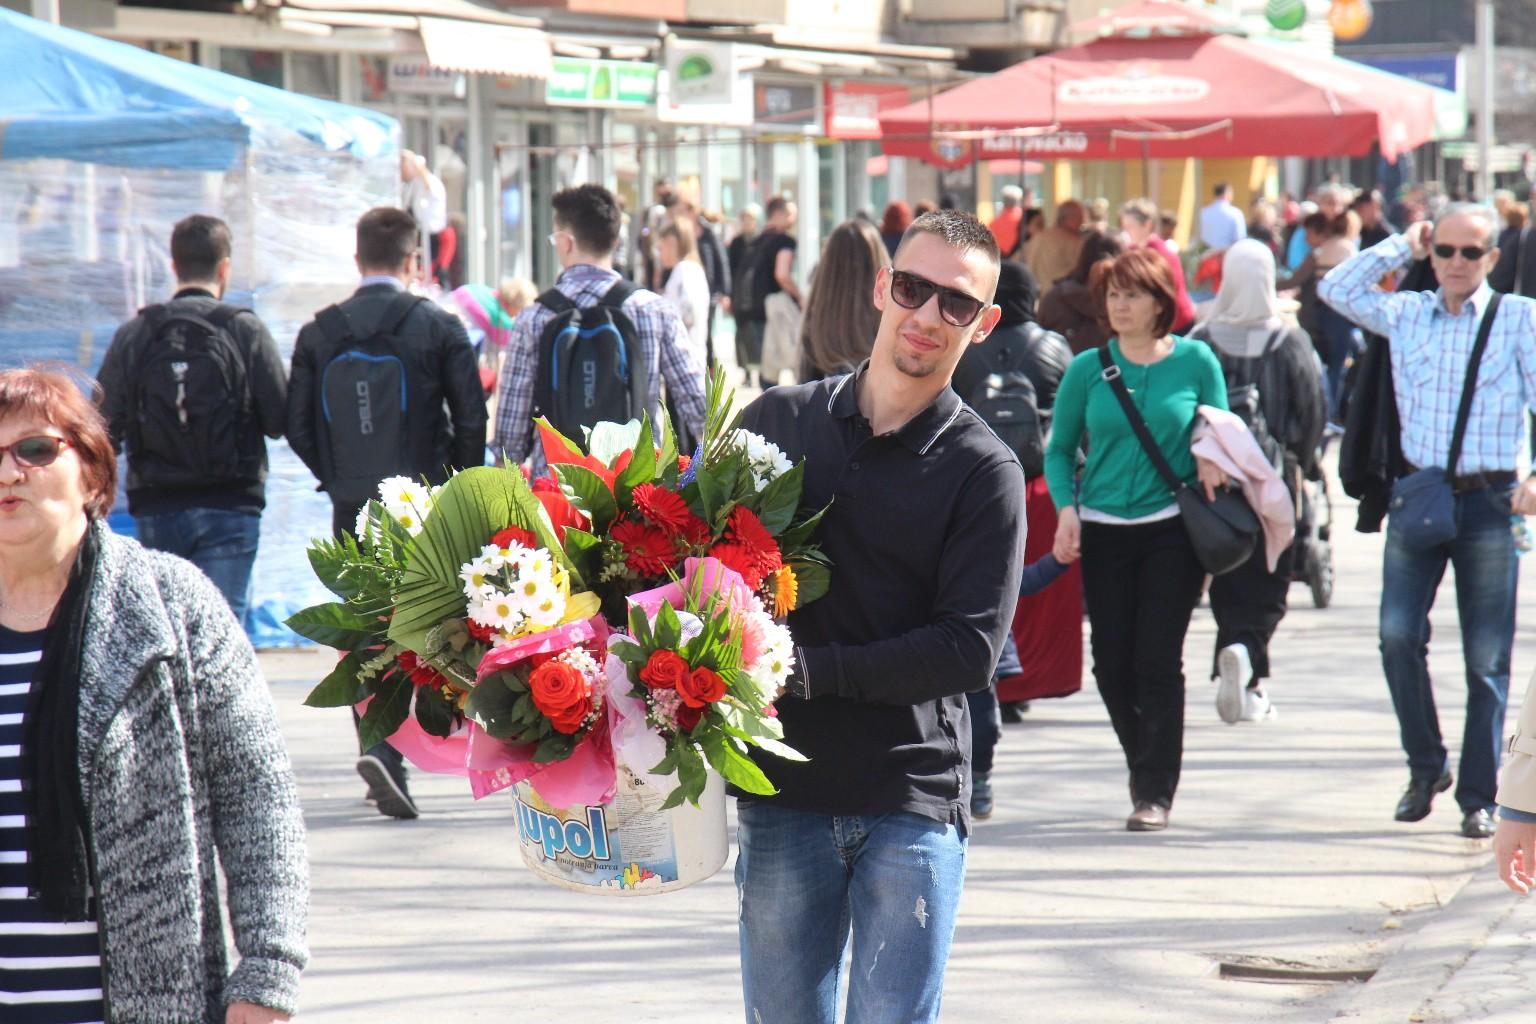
103, 148
71, 95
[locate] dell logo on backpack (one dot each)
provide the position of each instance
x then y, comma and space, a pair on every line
591, 367
364, 401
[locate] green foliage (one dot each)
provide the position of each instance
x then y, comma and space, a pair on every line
642, 464
799, 535
386, 712
814, 579
584, 551
778, 502
590, 494
435, 713
339, 689
335, 625
471, 507
493, 706
726, 756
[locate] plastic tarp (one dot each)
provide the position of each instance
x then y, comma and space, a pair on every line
85, 241
77, 96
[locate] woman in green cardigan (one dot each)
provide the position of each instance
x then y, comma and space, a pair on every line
1140, 575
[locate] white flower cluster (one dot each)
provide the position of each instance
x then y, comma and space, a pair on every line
407, 502
763, 457
513, 587
776, 657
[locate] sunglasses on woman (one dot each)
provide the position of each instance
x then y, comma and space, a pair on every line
1470, 253
34, 452
956, 307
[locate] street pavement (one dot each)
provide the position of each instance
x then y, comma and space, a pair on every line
1281, 885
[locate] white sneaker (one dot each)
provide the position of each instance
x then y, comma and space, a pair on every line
1233, 669
1257, 707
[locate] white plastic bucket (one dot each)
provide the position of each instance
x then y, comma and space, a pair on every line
629, 847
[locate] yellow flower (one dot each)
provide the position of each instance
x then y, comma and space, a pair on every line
786, 590
581, 606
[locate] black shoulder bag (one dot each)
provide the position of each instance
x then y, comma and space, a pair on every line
1423, 506
1223, 532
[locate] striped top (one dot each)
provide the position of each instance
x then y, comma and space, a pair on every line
50, 970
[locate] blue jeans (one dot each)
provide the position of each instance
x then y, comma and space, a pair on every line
803, 879
219, 541
1487, 573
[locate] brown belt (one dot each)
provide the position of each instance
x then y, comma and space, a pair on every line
1489, 480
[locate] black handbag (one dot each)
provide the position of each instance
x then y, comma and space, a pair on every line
1423, 506
1224, 531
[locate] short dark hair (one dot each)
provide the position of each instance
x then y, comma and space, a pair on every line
1097, 245
778, 204
591, 214
960, 230
386, 237
1221, 189
1142, 270
1317, 223
198, 244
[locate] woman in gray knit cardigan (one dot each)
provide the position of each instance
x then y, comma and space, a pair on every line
139, 749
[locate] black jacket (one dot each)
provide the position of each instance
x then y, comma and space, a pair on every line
717, 268
1046, 356
267, 387
1371, 455
447, 405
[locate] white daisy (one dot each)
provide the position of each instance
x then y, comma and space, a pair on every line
477, 574
496, 610
547, 609
534, 562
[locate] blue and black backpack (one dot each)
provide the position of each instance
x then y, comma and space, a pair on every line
591, 365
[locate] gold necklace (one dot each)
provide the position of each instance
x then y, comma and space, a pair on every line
28, 616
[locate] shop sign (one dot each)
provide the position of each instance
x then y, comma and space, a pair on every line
1053, 144
702, 86
1441, 70
581, 82
416, 76
853, 108
1133, 90
778, 105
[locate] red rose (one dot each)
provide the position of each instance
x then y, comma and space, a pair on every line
647, 550
562, 694
702, 687
664, 670
688, 717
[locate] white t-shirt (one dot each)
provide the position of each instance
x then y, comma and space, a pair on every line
688, 290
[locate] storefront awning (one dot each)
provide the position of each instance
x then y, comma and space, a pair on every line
490, 49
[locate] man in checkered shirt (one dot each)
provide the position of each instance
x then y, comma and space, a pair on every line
1432, 336
587, 224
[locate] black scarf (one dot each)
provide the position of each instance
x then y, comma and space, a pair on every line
50, 751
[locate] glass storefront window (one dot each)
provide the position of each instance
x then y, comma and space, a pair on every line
786, 170
730, 164
313, 74
264, 66
826, 191
690, 164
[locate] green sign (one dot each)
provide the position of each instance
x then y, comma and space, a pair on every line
580, 82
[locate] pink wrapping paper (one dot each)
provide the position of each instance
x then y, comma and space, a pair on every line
713, 577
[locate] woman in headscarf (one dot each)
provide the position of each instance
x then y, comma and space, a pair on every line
1047, 626
1255, 347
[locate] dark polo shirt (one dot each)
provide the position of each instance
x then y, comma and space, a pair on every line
926, 538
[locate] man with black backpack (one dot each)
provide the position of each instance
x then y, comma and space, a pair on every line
594, 347
190, 386
384, 384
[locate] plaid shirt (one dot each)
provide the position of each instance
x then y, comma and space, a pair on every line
1430, 351
663, 340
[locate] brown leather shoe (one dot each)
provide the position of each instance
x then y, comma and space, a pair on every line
1147, 817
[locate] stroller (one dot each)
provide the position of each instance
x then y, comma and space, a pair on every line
1313, 560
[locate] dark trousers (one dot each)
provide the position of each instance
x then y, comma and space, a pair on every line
986, 727
1487, 583
749, 343
1248, 604
1141, 584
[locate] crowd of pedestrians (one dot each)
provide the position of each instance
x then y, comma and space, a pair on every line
1045, 394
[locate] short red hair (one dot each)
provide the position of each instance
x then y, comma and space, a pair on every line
60, 397
1137, 270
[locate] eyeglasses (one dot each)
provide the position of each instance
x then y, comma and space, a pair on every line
1470, 253
913, 292
34, 452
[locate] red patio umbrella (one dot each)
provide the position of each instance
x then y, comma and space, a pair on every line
1197, 95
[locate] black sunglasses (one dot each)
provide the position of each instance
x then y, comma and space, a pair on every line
34, 452
1470, 253
912, 292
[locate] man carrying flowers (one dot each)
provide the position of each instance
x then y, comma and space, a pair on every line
926, 529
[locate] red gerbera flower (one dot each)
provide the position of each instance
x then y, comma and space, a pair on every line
745, 529
420, 673
647, 550
663, 508
739, 558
